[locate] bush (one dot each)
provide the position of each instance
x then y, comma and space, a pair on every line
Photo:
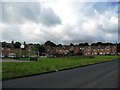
33, 58
91, 56
16, 57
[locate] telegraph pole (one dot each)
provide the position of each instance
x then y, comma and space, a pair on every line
116, 48
91, 50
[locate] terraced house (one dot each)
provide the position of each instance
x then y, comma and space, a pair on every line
8, 50
100, 50
82, 50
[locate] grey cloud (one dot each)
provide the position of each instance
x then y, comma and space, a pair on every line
84, 38
80, 35
0, 12
11, 33
110, 29
48, 17
20, 12
35, 13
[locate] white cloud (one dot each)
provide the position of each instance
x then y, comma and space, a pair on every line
67, 22
19, 13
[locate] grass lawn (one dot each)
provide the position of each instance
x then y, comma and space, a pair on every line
15, 69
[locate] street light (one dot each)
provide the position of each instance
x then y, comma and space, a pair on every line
21, 47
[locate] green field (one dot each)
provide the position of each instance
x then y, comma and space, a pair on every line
18, 69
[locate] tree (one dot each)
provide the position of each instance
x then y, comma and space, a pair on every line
49, 43
118, 48
17, 45
59, 45
99, 43
12, 42
86, 44
40, 49
71, 44
4, 44
93, 44
83, 44
25, 45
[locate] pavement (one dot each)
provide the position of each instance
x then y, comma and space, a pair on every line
13, 60
103, 75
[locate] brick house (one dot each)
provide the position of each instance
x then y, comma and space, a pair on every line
56, 51
113, 50
85, 50
76, 50
8, 52
50, 51
100, 50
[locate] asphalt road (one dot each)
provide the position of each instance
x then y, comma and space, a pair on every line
103, 75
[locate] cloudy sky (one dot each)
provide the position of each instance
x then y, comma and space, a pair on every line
60, 22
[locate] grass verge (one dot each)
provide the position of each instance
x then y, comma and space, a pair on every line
15, 69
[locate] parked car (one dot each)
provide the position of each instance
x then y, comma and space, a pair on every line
2, 55
12, 55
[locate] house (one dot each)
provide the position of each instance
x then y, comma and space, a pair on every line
86, 50
29, 51
56, 51
100, 50
8, 52
81, 50
77, 50
50, 51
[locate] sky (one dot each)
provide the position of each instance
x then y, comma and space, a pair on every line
60, 22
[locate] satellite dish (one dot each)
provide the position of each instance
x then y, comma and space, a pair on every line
22, 46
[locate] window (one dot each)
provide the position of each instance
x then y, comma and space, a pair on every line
103, 53
101, 49
107, 53
95, 53
8, 49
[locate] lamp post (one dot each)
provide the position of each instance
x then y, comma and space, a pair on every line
90, 50
80, 50
29, 53
116, 48
21, 47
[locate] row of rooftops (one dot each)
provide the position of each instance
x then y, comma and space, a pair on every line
65, 49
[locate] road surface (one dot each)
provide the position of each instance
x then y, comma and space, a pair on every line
103, 75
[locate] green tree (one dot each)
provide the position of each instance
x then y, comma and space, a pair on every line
118, 48
4, 44
71, 44
17, 45
49, 43
41, 49
12, 42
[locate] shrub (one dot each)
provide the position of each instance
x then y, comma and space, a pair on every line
33, 58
